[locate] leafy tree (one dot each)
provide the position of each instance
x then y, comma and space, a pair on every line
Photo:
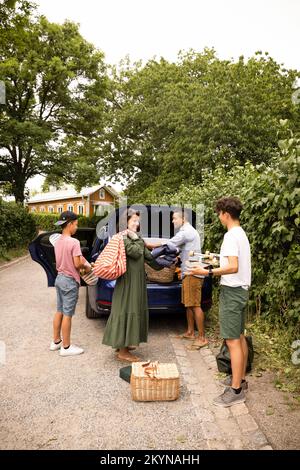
271, 218
56, 86
7, 5
170, 121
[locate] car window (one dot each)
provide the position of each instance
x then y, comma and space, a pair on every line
156, 221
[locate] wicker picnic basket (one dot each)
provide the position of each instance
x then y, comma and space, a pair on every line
153, 381
165, 275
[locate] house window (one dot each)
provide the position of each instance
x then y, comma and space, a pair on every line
42, 209
51, 209
102, 194
32, 209
70, 207
59, 209
98, 210
80, 209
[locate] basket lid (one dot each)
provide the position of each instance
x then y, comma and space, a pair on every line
155, 369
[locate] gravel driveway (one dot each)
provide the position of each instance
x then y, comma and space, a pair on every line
49, 402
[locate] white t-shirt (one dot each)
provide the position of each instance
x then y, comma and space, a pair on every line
236, 243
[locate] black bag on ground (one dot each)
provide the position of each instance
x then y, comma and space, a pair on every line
223, 357
125, 373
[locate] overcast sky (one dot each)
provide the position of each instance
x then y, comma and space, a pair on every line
144, 28
147, 28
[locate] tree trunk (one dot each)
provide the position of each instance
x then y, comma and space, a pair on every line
18, 173
19, 196
19, 189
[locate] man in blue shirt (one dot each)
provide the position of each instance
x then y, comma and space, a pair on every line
187, 239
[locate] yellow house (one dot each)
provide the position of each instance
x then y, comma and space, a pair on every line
95, 200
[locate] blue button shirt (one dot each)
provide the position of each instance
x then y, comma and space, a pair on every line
187, 239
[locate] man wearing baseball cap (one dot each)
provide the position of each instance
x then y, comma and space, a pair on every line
69, 261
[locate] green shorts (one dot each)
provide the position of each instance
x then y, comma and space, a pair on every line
232, 311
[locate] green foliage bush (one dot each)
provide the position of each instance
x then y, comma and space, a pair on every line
171, 121
46, 221
271, 218
17, 226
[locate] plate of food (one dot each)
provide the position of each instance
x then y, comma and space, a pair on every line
204, 259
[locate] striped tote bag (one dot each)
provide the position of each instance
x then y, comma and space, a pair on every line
111, 263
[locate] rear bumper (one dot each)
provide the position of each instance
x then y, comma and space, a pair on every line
161, 297
105, 309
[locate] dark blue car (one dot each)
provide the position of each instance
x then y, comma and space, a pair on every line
156, 223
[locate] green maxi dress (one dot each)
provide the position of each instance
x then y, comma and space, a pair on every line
129, 318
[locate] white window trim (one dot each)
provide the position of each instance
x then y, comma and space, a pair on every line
78, 206
60, 207
102, 193
42, 209
51, 211
87, 213
68, 207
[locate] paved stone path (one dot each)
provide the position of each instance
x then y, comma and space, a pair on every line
223, 428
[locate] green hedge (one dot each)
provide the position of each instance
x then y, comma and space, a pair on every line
17, 226
271, 218
46, 221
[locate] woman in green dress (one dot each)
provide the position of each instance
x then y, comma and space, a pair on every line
129, 318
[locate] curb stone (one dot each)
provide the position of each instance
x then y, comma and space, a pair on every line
14, 262
223, 428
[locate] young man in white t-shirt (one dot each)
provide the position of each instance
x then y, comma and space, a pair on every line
235, 272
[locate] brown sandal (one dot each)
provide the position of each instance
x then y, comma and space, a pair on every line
130, 358
184, 336
196, 346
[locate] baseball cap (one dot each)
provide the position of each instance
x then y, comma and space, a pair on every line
66, 216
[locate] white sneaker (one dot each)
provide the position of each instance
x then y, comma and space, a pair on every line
55, 347
71, 351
